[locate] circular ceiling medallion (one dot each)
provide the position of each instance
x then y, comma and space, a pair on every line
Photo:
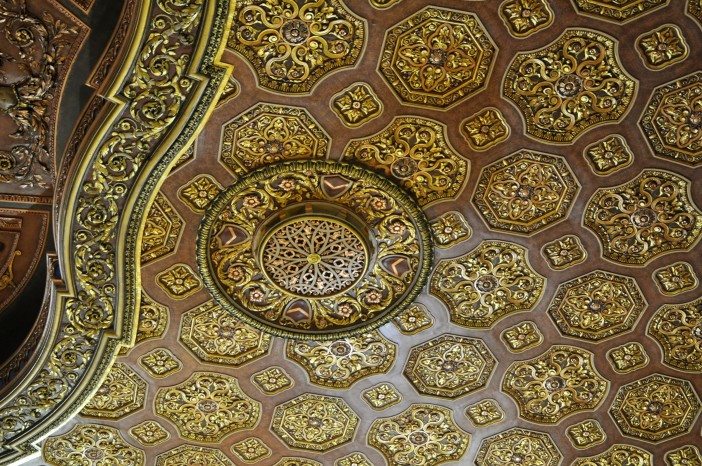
314, 249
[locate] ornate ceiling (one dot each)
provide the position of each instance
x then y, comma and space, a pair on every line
351, 233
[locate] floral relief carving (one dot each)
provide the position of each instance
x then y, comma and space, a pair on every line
190, 455
687, 455
627, 357
569, 86
437, 57
485, 129
525, 192
199, 192
492, 281
525, 17
619, 10
449, 366
272, 380
149, 433
597, 305
559, 382
355, 459
421, 435
516, 447
450, 229
153, 319
121, 393
523, 336
485, 413
382, 396
179, 281
648, 216
662, 47
207, 407
341, 363
618, 455
314, 422
160, 363
357, 105
268, 133
655, 408
292, 44
609, 155
675, 278
678, 329
251, 450
672, 120
586, 434
414, 319
564, 252
217, 336
416, 153
290, 461
162, 230
91, 445
694, 9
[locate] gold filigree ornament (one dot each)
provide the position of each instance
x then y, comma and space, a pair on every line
644, 218
687, 455
421, 435
525, 192
217, 336
251, 450
570, 86
522, 337
597, 305
556, 384
382, 396
384, 3
450, 366
414, 319
314, 422
160, 363
525, 17
354, 459
121, 393
662, 47
416, 153
437, 57
618, 455
655, 408
492, 281
199, 192
162, 230
672, 120
694, 9
678, 329
268, 133
190, 455
618, 10
609, 155
179, 281
91, 445
356, 105
627, 357
149, 433
586, 434
564, 252
485, 413
518, 447
207, 407
292, 461
341, 363
450, 229
292, 44
485, 129
675, 278
272, 380
314, 249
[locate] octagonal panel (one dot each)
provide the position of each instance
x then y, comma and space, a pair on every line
314, 422
122, 392
672, 120
559, 382
515, 447
91, 444
449, 366
525, 192
207, 407
187, 455
437, 57
655, 408
678, 329
268, 133
569, 86
217, 336
597, 305
618, 455
490, 282
340, 363
421, 434
292, 44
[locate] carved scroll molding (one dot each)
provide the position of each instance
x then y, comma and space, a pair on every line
163, 92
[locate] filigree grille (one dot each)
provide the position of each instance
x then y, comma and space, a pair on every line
314, 257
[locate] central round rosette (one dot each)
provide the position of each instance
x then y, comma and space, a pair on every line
314, 249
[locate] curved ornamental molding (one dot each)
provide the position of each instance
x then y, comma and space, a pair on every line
163, 91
